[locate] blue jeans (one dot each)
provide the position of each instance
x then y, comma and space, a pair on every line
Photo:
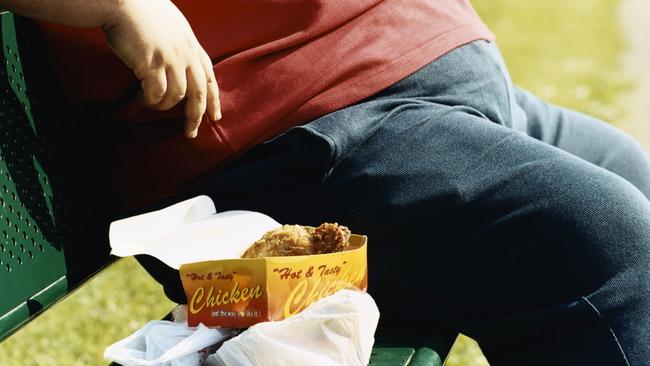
523, 225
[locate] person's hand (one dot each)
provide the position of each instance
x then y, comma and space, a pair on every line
154, 39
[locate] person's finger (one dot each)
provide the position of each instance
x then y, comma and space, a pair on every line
176, 88
213, 103
154, 86
195, 105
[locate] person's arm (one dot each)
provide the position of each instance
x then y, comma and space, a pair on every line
154, 39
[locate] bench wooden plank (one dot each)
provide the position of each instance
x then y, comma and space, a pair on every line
389, 356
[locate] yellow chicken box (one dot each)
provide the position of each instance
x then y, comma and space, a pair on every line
238, 293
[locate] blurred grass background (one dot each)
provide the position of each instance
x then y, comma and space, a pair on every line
567, 52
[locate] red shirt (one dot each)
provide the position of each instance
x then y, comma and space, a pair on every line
278, 64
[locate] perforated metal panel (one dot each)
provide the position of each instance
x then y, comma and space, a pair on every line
32, 263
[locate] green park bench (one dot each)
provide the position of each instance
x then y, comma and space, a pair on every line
52, 240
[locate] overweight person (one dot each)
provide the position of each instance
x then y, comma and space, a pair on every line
489, 211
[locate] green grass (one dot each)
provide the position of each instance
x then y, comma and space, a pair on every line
76, 331
565, 51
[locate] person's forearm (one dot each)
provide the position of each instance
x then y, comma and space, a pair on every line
76, 13
152, 38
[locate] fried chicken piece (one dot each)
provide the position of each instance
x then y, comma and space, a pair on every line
329, 238
290, 240
284, 241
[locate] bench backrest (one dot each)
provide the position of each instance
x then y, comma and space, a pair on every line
50, 237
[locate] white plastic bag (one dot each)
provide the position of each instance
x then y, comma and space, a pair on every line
336, 330
164, 343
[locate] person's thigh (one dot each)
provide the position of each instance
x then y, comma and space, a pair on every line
529, 249
539, 255
586, 137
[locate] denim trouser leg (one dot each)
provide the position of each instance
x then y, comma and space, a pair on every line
488, 211
586, 137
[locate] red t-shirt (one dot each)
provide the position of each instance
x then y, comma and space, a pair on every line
278, 64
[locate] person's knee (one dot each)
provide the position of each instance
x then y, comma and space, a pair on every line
611, 257
628, 159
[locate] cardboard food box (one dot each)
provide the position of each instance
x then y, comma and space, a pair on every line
241, 292
223, 289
